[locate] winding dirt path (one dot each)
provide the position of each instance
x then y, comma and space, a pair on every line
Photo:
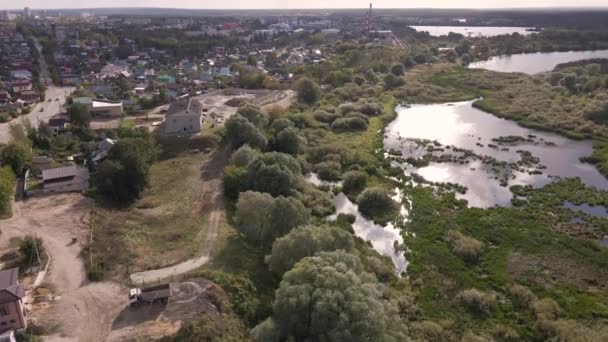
211, 201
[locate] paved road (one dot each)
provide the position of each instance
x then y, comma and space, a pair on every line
36, 116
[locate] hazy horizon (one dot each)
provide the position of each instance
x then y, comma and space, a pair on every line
304, 4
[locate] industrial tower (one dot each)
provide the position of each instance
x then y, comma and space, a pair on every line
368, 20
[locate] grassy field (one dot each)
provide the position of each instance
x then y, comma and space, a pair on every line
165, 226
520, 246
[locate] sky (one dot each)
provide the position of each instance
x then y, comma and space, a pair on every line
297, 4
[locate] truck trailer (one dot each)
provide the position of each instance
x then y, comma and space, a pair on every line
148, 295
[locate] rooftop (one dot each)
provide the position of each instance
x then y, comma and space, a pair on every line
59, 172
185, 106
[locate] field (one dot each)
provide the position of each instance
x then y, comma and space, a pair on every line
165, 226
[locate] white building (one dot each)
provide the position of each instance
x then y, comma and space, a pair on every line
184, 117
101, 108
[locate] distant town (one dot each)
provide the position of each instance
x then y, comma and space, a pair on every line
365, 174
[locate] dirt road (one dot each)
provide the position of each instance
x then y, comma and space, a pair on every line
85, 311
211, 195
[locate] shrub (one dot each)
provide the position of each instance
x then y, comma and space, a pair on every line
280, 124
346, 108
391, 81
371, 109
569, 330
464, 247
477, 301
349, 124
325, 117
546, 309
308, 91
522, 296
329, 170
376, 203
397, 69
354, 181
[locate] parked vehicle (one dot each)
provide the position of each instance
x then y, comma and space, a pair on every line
148, 295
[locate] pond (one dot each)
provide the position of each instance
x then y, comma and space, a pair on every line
592, 210
534, 63
473, 31
382, 238
457, 143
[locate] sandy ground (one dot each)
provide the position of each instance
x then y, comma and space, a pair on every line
36, 116
188, 299
84, 311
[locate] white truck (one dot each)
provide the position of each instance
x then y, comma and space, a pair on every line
153, 294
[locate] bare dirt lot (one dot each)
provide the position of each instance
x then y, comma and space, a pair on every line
216, 103
82, 311
189, 298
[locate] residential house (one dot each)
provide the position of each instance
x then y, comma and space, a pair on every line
103, 148
184, 117
5, 96
21, 85
29, 96
65, 179
12, 309
58, 123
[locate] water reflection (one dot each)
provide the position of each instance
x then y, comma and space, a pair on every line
465, 127
382, 238
592, 210
534, 63
473, 31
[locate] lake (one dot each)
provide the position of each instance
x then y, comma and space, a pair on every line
482, 152
534, 63
473, 31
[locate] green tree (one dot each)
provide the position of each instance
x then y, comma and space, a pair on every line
79, 116
376, 203
397, 69
124, 174
275, 173
18, 156
262, 218
391, 81
304, 242
7, 186
308, 91
327, 297
240, 131
32, 249
253, 114
243, 156
234, 181
288, 141
354, 181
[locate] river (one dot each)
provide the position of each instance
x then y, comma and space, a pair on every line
534, 63
473, 31
484, 153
